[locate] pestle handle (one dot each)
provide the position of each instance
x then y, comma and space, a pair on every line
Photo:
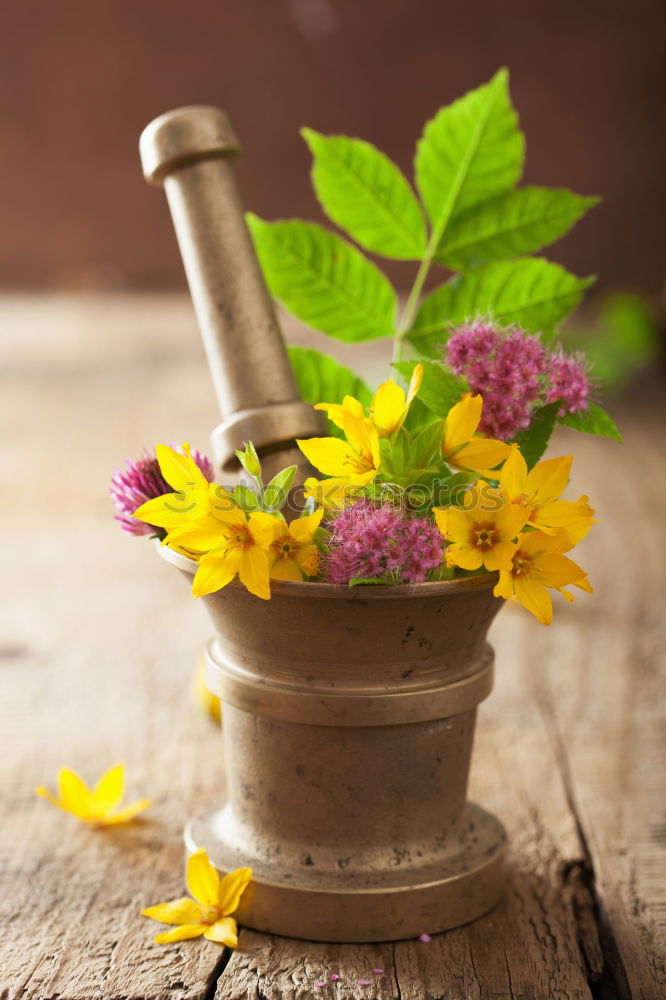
190, 152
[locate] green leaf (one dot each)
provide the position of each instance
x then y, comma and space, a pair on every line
427, 445
534, 440
440, 389
321, 379
363, 192
515, 223
323, 280
530, 291
469, 152
593, 421
276, 492
246, 499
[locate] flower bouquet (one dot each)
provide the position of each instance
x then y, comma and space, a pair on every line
351, 610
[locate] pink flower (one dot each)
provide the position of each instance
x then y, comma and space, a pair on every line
425, 938
371, 541
142, 481
506, 366
569, 382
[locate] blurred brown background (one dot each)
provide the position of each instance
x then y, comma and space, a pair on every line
80, 79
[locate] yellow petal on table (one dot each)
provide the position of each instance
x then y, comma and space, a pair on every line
232, 888
202, 879
224, 931
181, 933
178, 911
254, 572
109, 790
75, 795
127, 813
535, 598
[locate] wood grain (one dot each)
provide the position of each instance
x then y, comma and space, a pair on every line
97, 643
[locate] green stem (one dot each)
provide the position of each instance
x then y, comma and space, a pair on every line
412, 302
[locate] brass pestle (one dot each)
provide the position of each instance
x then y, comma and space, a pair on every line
190, 152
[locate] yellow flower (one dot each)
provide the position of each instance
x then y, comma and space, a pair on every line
209, 913
229, 543
483, 533
98, 806
460, 448
537, 563
539, 491
292, 552
331, 494
355, 461
191, 497
388, 408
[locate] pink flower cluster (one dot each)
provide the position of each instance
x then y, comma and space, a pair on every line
514, 373
377, 541
142, 481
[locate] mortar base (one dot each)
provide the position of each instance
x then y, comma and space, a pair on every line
385, 905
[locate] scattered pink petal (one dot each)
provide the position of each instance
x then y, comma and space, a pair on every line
378, 972
321, 984
364, 982
334, 978
425, 938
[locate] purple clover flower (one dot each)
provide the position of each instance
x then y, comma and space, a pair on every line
369, 541
514, 373
140, 481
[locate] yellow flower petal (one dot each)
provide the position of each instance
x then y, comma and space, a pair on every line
286, 569
264, 527
462, 421
202, 879
559, 571
232, 888
180, 470
303, 528
109, 790
504, 586
254, 573
441, 518
307, 557
458, 525
510, 520
329, 455
500, 556
535, 598
548, 480
387, 406
480, 455
465, 556
216, 570
224, 931
181, 933
513, 477
127, 813
178, 911
74, 793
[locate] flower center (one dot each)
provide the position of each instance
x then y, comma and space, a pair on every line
283, 547
239, 537
483, 537
360, 463
210, 914
521, 566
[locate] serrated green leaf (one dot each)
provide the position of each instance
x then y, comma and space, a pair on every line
532, 292
365, 193
322, 379
323, 280
594, 420
469, 152
510, 225
440, 389
534, 440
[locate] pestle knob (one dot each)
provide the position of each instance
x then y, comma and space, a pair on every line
190, 152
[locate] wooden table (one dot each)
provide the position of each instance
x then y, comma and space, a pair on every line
98, 640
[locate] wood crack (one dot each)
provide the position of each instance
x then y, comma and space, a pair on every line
219, 967
606, 975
